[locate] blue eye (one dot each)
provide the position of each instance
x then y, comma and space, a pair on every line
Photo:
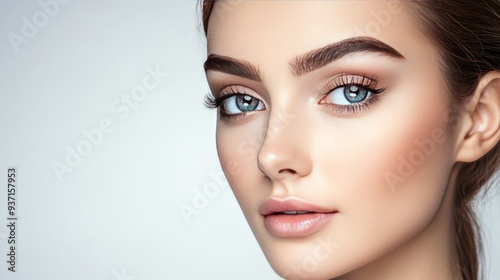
241, 104
349, 95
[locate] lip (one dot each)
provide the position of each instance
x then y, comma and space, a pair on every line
303, 219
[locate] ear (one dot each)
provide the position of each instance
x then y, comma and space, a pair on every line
479, 130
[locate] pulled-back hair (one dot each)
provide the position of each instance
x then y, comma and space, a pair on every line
467, 34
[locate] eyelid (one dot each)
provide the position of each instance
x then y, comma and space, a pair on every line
232, 90
215, 97
216, 101
343, 79
352, 110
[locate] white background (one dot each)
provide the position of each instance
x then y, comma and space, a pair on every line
116, 215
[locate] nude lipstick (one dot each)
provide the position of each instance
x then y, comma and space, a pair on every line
294, 218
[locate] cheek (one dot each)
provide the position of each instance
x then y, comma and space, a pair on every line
237, 148
388, 174
381, 153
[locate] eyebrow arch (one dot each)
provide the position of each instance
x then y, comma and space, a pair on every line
318, 58
305, 63
232, 66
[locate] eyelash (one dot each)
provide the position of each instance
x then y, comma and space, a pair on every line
342, 80
347, 80
212, 102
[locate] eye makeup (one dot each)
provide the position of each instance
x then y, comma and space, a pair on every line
361, 89
242, 101
345, 94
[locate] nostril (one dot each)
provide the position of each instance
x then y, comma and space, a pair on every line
288, 170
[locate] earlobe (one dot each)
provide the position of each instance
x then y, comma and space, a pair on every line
480, 127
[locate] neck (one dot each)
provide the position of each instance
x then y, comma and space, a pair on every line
430, 255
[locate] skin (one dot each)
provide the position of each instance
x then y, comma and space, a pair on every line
298, 146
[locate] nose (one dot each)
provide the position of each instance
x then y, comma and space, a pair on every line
284, 150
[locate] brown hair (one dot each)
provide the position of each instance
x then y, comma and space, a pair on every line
468, 36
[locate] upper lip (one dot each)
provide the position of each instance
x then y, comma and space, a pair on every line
273, 205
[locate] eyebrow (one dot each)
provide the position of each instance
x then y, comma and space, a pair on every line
305, 63
320, 57
232, 66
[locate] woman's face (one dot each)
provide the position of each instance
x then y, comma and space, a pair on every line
331, 128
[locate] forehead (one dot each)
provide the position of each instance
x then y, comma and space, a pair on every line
260, 31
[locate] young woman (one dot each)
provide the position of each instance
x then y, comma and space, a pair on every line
356, 134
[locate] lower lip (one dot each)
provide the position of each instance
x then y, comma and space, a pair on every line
300, 225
